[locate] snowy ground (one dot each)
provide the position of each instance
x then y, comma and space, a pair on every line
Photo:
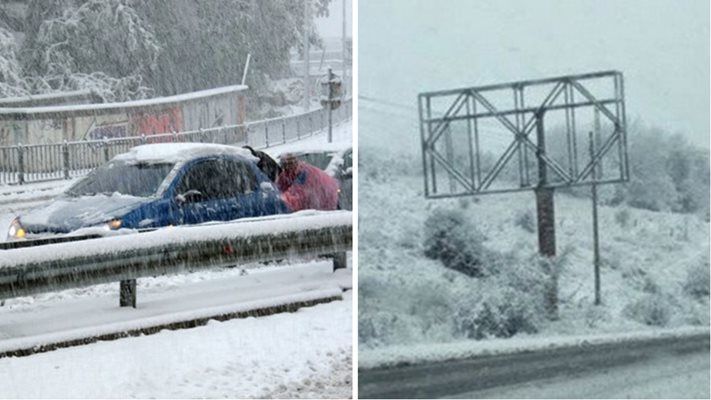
306, 354
406, 299
302, 355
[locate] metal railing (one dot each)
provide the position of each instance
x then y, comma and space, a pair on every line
45, 162
123, 258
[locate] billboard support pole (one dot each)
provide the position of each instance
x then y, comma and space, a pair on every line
545, 208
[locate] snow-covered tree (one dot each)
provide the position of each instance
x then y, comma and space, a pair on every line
102, 45
127, 49
11, 81
205, 43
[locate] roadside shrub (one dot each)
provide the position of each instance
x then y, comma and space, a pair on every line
526, 220
452, 239
697, 278
501, 313
382, 328
505, 303
622, 217
653, 309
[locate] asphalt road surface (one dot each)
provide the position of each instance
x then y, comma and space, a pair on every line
661, 368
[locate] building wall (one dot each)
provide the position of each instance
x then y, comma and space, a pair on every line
193, 114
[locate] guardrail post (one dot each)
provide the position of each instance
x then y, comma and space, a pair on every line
283, 131
175, 136
143, 138
339, 261
127, 295
201, 133
65, 158
106, 149
20, 164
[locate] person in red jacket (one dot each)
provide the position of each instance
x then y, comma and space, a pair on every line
305, 187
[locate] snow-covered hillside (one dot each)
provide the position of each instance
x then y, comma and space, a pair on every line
653, 264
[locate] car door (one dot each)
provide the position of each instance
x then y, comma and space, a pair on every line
199, 192
252, 193
241, 190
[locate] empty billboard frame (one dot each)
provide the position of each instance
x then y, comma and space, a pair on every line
524, 135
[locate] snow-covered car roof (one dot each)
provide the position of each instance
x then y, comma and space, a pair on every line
308, 147
335, 150
175, 152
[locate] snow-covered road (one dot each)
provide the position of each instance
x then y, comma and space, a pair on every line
639, 365
665, 377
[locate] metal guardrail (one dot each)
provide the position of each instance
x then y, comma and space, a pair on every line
124, 258
41, 242
45, 162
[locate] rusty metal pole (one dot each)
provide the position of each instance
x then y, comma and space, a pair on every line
545, 208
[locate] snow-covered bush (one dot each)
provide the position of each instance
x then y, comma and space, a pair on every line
697, 278
451, 238
403, 312
509, 300
526, 220
594, 315
379, 164
498, 311
622, 217
654, 309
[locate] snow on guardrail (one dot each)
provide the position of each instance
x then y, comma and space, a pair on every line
58, 266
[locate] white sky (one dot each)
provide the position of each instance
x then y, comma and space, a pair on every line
332, 26
661, 46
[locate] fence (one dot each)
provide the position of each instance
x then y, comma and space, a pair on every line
45, 162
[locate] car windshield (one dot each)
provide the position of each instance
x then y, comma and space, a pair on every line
319, 160
141, 180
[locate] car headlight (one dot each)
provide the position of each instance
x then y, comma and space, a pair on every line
114, 224
16, 231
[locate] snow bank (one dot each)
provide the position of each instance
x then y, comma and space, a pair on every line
427, 353
292, 355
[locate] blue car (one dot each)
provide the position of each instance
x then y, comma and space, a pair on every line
158, 185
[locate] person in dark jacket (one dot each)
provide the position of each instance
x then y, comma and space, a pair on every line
304, 186
266, 164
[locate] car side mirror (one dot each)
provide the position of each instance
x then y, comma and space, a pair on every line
348, 173
191, 196
267, 186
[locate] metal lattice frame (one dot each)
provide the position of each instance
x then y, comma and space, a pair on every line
473, 105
